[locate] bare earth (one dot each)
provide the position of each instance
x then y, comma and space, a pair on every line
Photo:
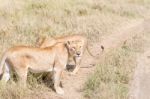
140, 88
73, 85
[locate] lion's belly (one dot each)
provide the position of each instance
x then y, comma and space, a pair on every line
40, 70
41, 64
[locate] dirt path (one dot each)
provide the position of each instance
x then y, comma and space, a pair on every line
140, 88
73, 85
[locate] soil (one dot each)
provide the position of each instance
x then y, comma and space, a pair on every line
140, 88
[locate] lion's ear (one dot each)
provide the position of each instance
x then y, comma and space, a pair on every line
67, 43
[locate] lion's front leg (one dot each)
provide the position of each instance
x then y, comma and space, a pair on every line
77, 67
57, 77
75, 70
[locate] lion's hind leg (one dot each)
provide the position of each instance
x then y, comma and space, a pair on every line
22, 74
6, 74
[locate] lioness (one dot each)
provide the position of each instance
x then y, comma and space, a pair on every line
23, 59
81, 43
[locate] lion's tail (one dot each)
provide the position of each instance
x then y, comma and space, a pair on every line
102, 50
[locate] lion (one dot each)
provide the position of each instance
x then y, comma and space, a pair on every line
43, 42
37, 60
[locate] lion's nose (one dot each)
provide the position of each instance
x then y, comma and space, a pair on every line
78, 53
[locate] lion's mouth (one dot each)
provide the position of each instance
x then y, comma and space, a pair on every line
78, 56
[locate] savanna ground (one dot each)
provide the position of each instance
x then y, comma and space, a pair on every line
22, 21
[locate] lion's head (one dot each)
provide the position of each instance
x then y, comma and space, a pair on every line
75, 48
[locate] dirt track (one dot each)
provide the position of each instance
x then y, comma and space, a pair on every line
140, 88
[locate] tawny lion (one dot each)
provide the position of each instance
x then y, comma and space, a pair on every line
45, 42
23, 59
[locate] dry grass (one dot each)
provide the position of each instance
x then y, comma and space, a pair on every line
35, 88
21, 21
112, 77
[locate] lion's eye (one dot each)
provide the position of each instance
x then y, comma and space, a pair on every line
73, 48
